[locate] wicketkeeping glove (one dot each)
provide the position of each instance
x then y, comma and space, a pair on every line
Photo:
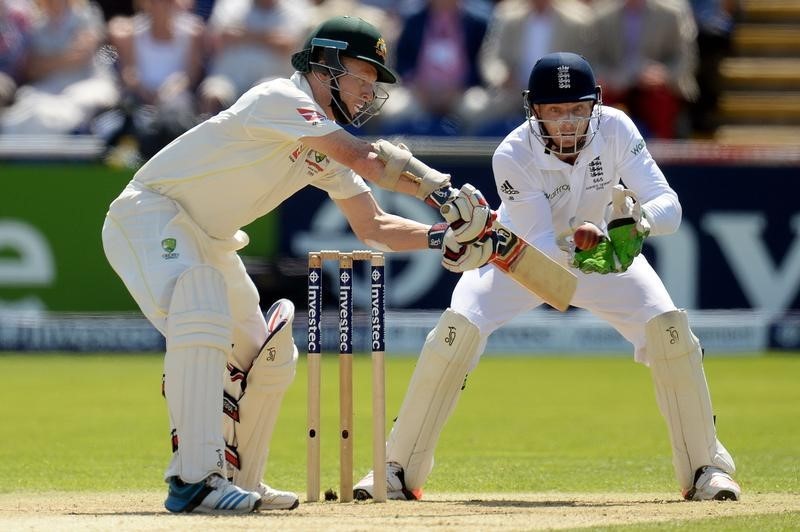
599, 259
627, 226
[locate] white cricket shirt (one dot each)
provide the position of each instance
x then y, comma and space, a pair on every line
247, 160
541, 194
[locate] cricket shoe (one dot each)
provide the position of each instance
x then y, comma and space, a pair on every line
272, 499
395, 486
215, 494
713, 484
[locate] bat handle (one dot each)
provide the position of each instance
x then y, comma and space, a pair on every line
448, 212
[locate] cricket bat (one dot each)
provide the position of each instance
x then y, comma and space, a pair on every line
527, 265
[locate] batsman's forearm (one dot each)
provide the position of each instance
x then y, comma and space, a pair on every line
395, 233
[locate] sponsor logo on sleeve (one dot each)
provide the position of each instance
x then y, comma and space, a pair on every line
638, 148
312, 116
508, 189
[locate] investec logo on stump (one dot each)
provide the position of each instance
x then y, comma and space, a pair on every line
345, 346
376, 308
313, 311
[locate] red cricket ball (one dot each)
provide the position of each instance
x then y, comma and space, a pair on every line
587, 236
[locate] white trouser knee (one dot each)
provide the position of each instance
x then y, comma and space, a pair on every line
432, 394
676, 364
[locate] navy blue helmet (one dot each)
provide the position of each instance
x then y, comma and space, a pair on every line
562, 77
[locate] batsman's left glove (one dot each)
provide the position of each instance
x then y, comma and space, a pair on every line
469, 215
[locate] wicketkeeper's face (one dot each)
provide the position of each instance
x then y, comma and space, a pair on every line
565, 123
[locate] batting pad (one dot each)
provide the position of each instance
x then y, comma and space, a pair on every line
199, 331
676, 364
260, 402
432, 395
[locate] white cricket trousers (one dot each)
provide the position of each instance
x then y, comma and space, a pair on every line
150, 241
627, 301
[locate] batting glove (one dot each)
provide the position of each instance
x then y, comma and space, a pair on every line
459, 258
469, 215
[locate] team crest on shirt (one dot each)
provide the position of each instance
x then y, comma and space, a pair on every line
316, 162
595, 178
312, 116
169, 245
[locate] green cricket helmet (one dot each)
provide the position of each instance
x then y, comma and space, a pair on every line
348, 36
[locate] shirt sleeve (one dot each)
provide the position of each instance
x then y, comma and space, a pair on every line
288, 112
342, 184
528, 214
640, 173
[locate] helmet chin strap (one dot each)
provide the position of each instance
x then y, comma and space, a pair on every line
340, 112
339, 108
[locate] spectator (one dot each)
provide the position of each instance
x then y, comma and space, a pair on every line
202, 8
649, 69
385, 21
160, 63
251, 41
14, 27
520, 33
715, 21
67, 82
437, 58
116, 8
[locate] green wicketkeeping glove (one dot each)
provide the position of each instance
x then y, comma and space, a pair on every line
599, 259
627, 226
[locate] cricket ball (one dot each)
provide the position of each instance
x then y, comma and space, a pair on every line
587, 236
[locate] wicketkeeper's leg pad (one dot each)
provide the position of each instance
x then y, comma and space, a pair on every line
199, 332
252, 404
432, 394
676, 364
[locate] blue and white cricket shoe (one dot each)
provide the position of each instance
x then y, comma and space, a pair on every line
215, 494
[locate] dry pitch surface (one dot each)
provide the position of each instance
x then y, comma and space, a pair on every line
122, 512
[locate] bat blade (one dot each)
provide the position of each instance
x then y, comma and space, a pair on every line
534, 269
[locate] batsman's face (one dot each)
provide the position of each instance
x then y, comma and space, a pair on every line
358, 86
565, 123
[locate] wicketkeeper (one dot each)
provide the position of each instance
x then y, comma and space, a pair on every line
173, 235
565, 165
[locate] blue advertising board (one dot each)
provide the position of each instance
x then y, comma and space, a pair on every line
737, 247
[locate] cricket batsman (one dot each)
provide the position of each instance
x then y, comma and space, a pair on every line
173, 234
572, 161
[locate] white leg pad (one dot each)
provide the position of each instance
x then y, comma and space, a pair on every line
676, 364
199, 332
432, 395
255, 409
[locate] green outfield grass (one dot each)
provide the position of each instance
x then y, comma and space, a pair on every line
570, 424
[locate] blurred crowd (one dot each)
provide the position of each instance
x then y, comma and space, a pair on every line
147, 70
